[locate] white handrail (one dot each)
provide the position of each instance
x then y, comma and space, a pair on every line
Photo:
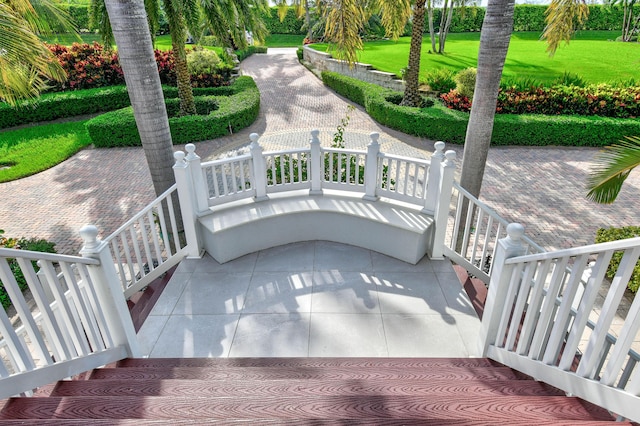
577, 251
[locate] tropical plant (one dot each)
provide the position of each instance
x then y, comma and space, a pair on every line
630, 21
611, 168
26, 64
411, 78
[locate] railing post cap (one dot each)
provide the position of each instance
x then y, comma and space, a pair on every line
439, 146
450, 155
254, 137
179, 157
315, 133
374, 137
515, 231
191, 150
89, 234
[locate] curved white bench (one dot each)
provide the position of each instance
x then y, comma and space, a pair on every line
393, 228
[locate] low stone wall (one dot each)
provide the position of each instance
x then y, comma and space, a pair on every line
365, 72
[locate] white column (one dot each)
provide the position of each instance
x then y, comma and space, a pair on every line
199, 188
433, 180
109, 291
371, 168
187, 204
316, 164
259, 168
494, 306
441, 214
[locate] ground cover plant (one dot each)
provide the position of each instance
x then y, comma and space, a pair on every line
591, 55
24, 152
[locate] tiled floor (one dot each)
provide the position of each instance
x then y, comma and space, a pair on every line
316, 299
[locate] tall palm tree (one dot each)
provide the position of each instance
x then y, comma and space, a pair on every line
611, 169
131, 32
25, 61
411, 95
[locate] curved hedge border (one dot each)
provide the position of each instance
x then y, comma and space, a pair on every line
52, 106
235, 109
440, 123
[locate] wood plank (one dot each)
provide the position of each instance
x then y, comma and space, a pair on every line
503, 409
301, 388
291, 373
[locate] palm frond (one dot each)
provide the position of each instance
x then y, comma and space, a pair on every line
612, 167
562, 17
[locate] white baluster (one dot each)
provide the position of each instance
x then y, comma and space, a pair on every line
433, 180
508, 247
187, 205
371, 168
316, 164
259, 168
199, 187
109, 291
441, 214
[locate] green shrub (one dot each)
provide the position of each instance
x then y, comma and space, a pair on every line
201, 61
300, 53
292, 24
614, 234
32, 244
441, 123
466, 82
440, 80
243, 54
235, 107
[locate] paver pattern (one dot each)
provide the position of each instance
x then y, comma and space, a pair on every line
542, 188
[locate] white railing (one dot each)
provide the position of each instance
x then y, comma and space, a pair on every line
537, 318
148, 245
79, 318
474, 231
258, 174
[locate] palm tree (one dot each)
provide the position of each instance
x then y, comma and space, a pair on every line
131, 32
25, 61
411, 95
612, 167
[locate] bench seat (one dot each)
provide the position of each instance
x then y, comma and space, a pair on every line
396, 229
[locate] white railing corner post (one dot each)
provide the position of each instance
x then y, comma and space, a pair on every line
259, 168
508, 247
197, 179
109, 291
441, 213
433, 180
186, 197
316, 164
371, 168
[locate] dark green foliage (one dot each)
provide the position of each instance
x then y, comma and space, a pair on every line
300, 53
32, 244
235, 107
440, 123
245, 53
79, 15
290, 25
440, 80
614, 234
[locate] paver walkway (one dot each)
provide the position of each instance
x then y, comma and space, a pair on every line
542, 188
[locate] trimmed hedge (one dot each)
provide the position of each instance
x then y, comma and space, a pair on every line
604, 235
440, 123
52, 106
235, 109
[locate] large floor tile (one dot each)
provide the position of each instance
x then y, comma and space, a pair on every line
171, 293
192, 336
150, 331
410, 293
279, 292
384, 263
239, 265
456, 296
347, 335
422, 336
213, 293
343, 292
271, 335
342, 257
289, 257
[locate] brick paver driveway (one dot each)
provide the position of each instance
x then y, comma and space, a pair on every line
540, 187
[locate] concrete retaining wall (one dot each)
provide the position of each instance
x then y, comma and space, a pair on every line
365, 72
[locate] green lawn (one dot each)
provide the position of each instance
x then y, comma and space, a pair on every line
590, 55
284, 40
30, 150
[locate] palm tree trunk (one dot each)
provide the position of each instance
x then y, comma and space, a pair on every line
131, 32
494, 43
411, 93
185, 92
432, 33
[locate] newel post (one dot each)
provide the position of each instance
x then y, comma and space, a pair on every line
371, 168
259, 168
109, 291
199, 188
316, 164
441, 213
433, 180
494, 307
188, 204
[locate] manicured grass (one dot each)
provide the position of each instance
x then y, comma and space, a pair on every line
30, 150
284, 40
69, 39
590, 55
